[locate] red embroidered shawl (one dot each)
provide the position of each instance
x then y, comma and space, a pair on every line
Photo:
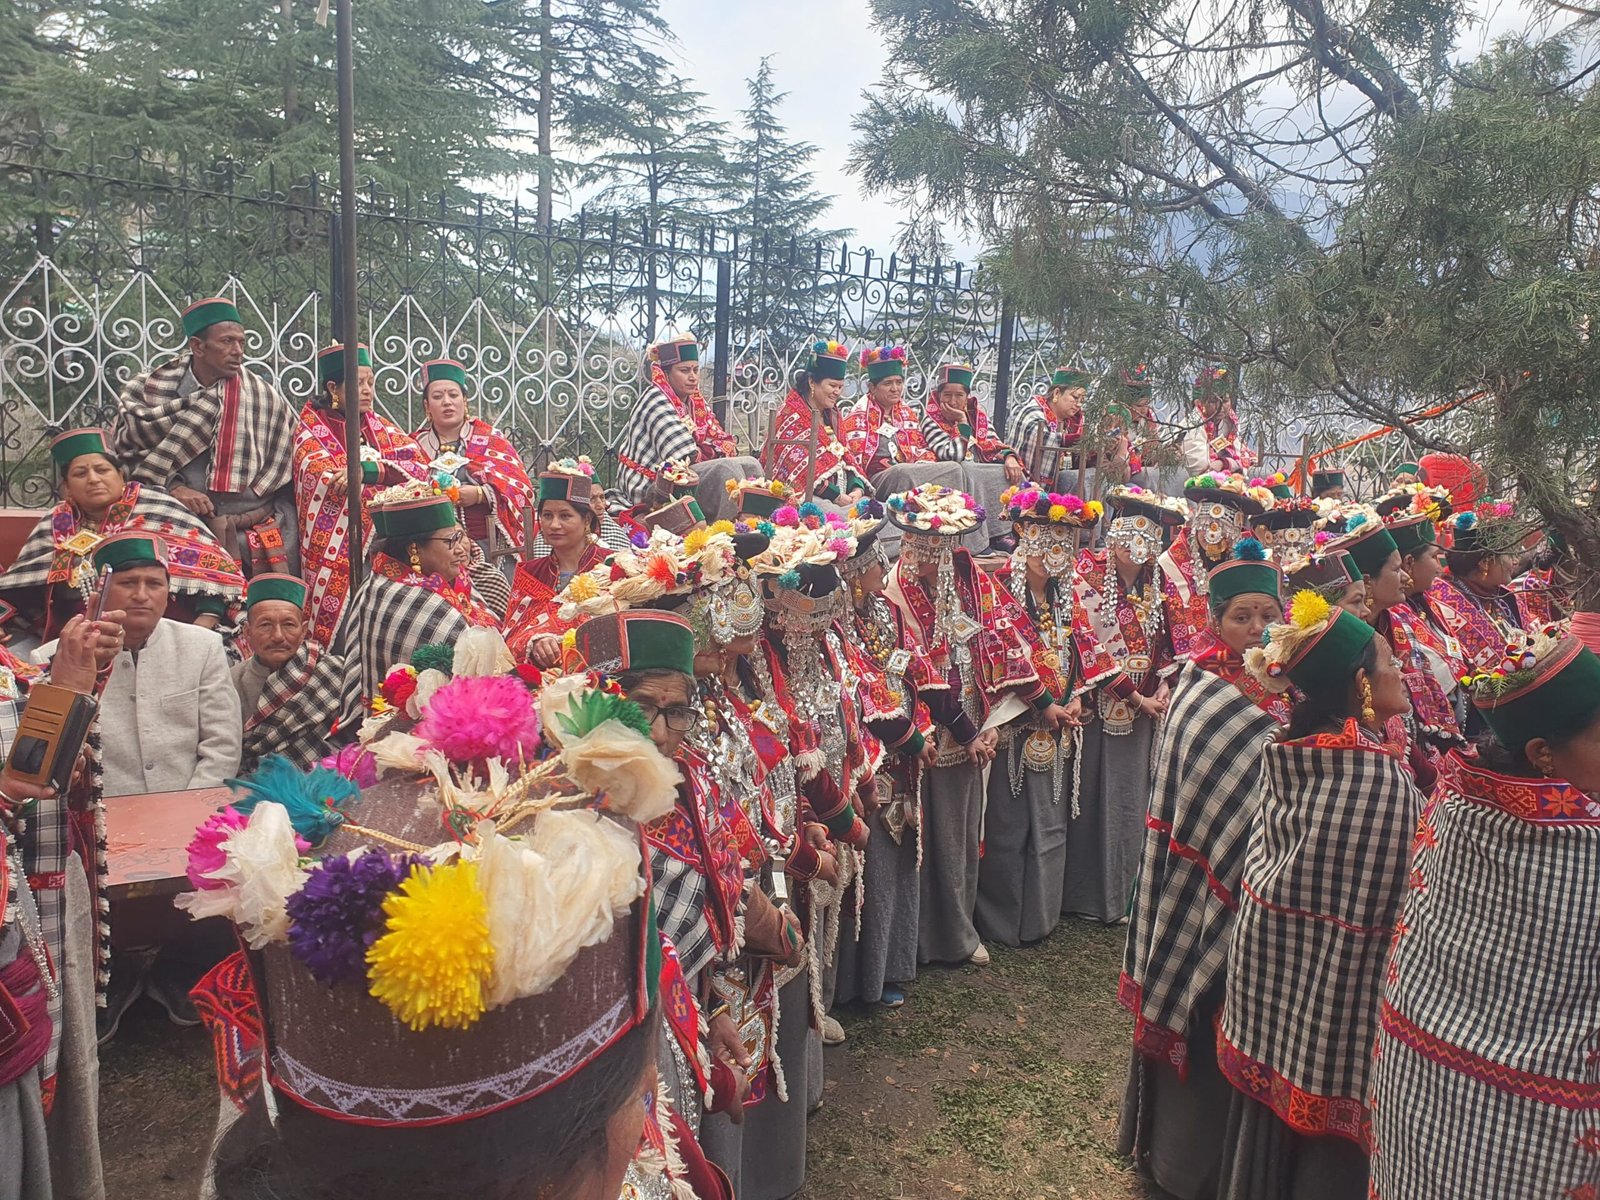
319, 476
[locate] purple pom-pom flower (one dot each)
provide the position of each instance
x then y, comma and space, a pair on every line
338, 913
639, 539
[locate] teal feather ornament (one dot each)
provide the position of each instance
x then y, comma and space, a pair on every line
1248, 549
314, 800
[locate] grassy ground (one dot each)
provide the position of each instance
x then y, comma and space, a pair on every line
1002, 1082
997, 1083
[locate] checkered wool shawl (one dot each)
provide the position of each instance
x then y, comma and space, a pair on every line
299, 708
389, 617
1483, 1079
196, 564
658, 432
1323, 879
1207, 772
158, 432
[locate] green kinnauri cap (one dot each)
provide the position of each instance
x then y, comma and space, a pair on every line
330, 363
289, 588
413, 518
203, 314
130, 550
1554, 699
75, 443
1325, 664
444, 368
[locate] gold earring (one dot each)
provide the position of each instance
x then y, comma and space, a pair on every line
416, 562
1368, 713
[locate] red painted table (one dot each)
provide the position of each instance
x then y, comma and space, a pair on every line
147, 840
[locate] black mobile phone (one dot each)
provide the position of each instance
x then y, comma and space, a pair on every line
100, 595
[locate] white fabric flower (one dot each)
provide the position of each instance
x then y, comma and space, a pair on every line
261, 872
638, 780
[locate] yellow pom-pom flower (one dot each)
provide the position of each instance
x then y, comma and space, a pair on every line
695, 541
1058, 512
1093, 510
569, 640
583, 587
434, 958
725, 527
1308, 609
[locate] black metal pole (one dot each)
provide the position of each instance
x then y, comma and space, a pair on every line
724, 335
349, 330
1002, 370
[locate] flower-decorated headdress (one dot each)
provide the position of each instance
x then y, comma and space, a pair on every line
1137, 381
759, 498
1547, 687
1317, 649
1213, 383
666, 565
457, 938
1328, 573
935, 510
1245, 572
883, 362
412, 509
569, 479
801, 567
829, 359
1489, 527
1032, 505
1415, 499
1232, 490
1278, 484
1367, 540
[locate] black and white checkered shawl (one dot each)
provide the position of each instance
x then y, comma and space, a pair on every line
1484, 1080
679, 892
656, 434
299, 708
383, 626
1326, 869
1207, 770
158, 432
493, 588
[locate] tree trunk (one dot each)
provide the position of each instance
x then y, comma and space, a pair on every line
291, 93
546, 110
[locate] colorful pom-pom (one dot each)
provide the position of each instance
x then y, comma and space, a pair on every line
1248, 549
1308, 609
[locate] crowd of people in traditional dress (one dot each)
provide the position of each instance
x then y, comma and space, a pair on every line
560, 840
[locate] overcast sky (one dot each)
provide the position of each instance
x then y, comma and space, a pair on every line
826, 54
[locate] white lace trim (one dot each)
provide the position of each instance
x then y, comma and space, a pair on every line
401, 1105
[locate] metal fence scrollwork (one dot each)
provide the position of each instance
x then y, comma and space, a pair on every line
99, 258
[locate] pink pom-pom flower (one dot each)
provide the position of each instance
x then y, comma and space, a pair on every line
206, 854
481, 716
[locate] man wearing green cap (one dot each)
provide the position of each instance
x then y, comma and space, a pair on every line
218, 437
289, 686
673, 424
169, 714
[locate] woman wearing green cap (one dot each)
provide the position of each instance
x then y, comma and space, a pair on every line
833, 471
1323, 878
956, 429
1207, 772
494, 485
52, 575
417, 592
388, 456
1483, 1078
